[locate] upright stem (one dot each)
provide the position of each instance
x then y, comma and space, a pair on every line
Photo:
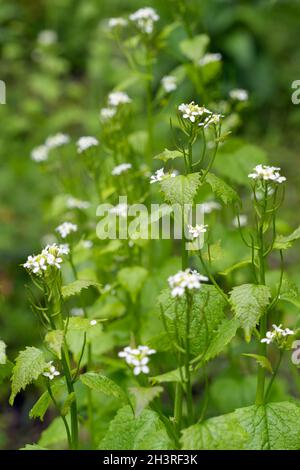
149, 103
189, 396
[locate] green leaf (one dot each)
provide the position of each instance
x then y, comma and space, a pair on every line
103, 384
263, 361
206, 314
5, 370
195, 47
54, 434
181, 189
274, 426
33, 447
221, 189
74, 288
168, 155
222, 338
127, 432
290, 292
143, 396
132, 279
2, 352
249, 302
54, 340
42, 404
234, 267
174, 375
30, 363
285, 242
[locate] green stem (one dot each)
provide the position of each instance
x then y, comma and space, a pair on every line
189, 396
73, 409
149, 104
267, 394
62, 416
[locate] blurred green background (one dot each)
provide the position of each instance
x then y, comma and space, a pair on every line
62, 90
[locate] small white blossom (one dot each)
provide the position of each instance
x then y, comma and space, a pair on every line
185, 280
117, 170
40, 153
86, 142
209, 58
277, 336
210, 206
47, 37
137, 358
169, 83
193, 111
77, 312
196, 231
107, 113
117, 23
51, 256
267, 173
239, 94
213, 119
160, 175
87, 244
74, 203
120, 210
66, 228
51, 371
242, 220
57, 140
144, 19
117, 98
64, 249
93, 322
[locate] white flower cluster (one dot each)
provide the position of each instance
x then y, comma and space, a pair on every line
117, 98
51, 256
107, 113
144, 19
138, 358
66, 228
160, 175
212, 119
114, 23
209, 58
186, 280
40, 153
74, 203
195, 231
47, 37
267, 173
51, 371
119, 169
86, 142
277, 336
193, 111
239, 94
169, 83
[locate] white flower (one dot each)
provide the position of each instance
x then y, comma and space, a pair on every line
210, 206
144, 19
238, 94
117, 98
77, 312
160, 175
57, 140
242, 220
107, 113
49, 257
40, 154
117, 23
93, 322
87, 244
185, 280
64, 249
120, 210
117, 170
137, 358
47, 37
213, 119
277, 336
267, 173
66, 228
86, 142
196, 231
192, 111
208, 58
51, 371
169, 83
74, 203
